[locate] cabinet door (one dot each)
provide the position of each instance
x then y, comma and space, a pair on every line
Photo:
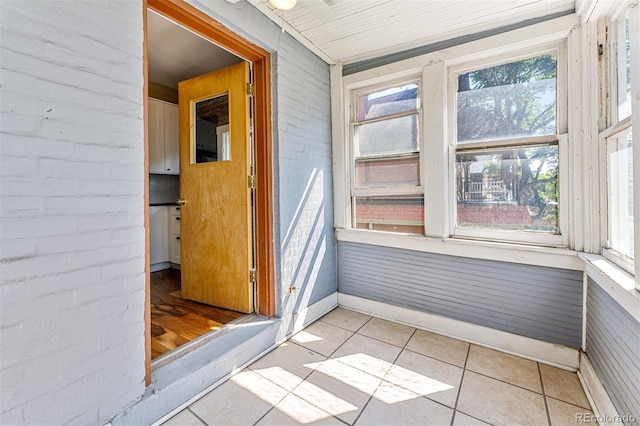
171, 139
158, 234
156, 136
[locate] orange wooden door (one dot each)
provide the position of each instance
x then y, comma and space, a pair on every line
215, 230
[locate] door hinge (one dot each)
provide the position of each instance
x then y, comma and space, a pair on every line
252, 275
251, 182
250, 89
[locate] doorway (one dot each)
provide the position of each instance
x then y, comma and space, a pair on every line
168, 26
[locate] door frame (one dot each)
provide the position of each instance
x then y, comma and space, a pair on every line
197, 21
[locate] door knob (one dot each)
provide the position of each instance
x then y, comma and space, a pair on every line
181, 201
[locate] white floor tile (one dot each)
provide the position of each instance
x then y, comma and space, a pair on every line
439, 347
288, 365
426, 376
338, 389
367, 354
500, 403
508, 368
387, 331
293, 410
393, 405
183, 418
241, 400
322, 338
345, 318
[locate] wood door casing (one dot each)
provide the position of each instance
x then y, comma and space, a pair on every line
216, 232
204, 25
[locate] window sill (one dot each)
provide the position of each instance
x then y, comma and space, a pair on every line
615, 281
499, 251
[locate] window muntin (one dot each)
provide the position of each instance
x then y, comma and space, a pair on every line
385, 180
513, 189
508, 101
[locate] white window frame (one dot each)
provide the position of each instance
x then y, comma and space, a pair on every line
353, 124
611, 86
434, 167
559, 51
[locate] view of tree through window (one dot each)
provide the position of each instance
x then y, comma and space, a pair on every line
513, 188
508, 101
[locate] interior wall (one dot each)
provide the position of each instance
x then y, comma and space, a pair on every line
613, 348
534, 301
72, 245
73, 238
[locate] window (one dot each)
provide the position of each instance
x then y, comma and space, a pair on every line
618, 139
507, 151
620, 190
623, 67
386, 192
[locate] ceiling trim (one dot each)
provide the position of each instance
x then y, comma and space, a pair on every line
433, 47
277, 19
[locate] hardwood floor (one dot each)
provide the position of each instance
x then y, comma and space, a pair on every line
175, 321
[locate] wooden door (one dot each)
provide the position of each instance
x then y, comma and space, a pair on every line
216, 231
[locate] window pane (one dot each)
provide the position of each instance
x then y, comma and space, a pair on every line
388, 172
211, 117
620, 165
508, 189
392, 136
508, 101
624, 69
387, 102
398, 213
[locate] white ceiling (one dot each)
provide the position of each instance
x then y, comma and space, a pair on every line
176, 54
365, 29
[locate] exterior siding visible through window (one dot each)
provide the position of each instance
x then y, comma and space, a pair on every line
385, 188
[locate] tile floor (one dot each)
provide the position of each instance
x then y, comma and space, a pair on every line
350, 368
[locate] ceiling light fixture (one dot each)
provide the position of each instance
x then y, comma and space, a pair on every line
283, 4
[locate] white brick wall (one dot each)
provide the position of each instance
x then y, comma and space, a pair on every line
72, 182
71, 231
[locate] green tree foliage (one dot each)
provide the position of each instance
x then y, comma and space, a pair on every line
510, 101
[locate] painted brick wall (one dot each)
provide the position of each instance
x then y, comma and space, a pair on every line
72, 235
307, 241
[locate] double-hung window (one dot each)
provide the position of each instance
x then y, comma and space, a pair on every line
618, 139
386, 192
508, 138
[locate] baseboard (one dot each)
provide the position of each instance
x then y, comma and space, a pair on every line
159, 266
604, 410
526, 347
312, 313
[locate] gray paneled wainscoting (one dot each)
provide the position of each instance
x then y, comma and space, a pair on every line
613, 347
538, 302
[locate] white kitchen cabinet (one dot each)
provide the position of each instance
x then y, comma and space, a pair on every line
158, 235
174, 234
164, 138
